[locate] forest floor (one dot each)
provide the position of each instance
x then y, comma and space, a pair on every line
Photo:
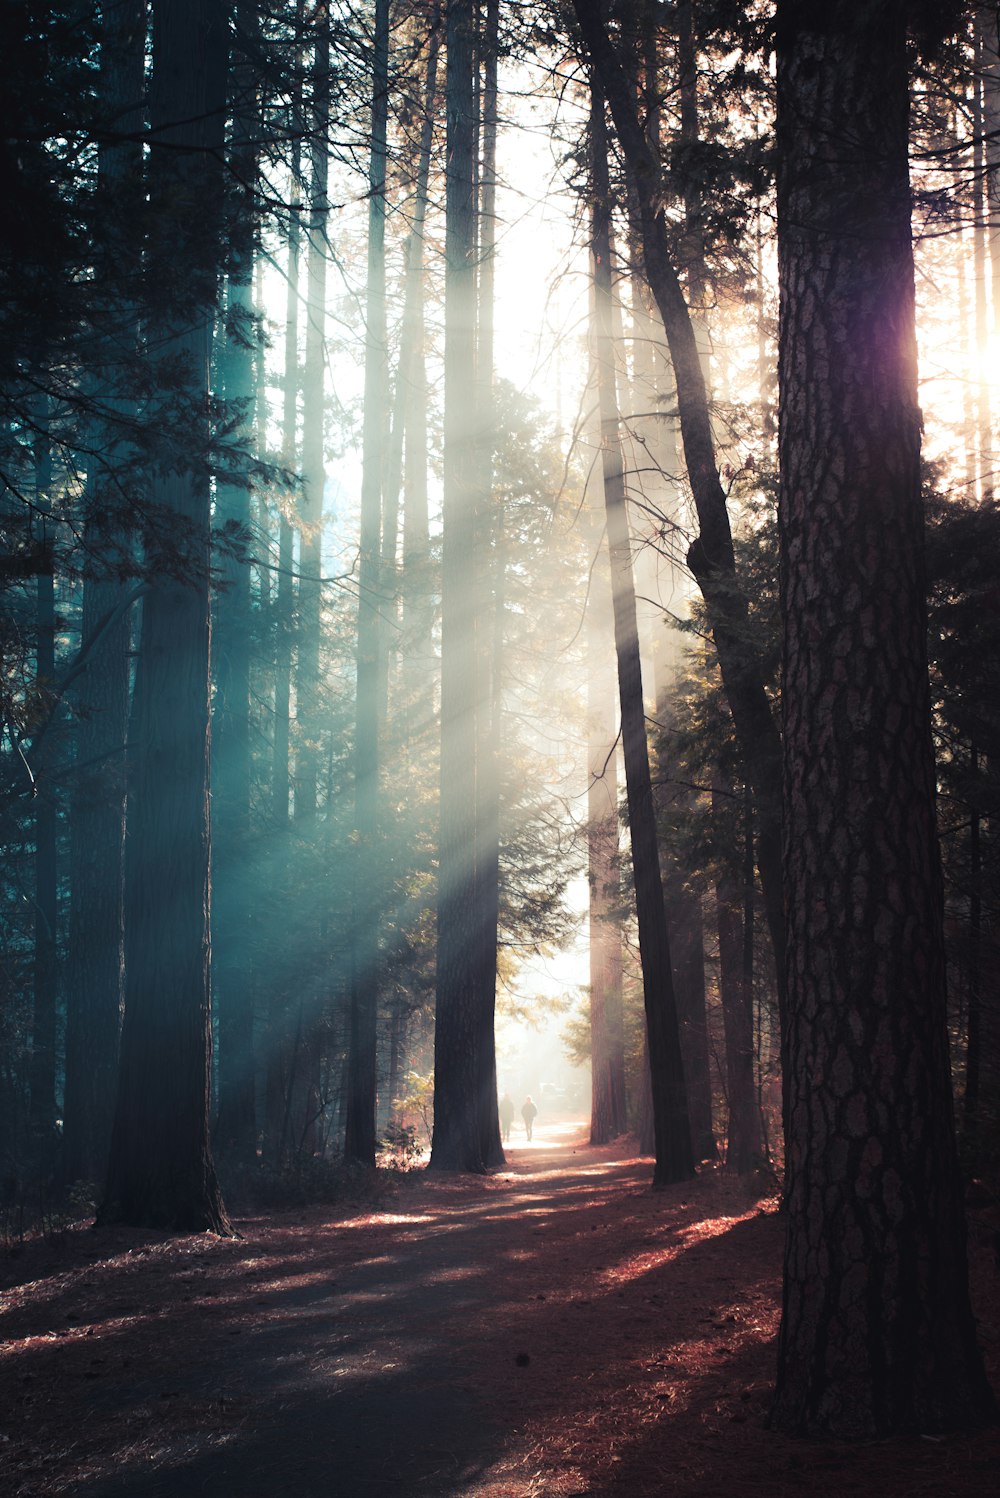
556, 1329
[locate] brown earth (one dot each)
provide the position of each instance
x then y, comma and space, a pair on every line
556, 1329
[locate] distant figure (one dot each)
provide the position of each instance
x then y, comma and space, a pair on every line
528, 1113
506, 1110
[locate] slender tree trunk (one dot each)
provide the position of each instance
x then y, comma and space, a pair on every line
490, 630
409, 434
359, 1145
457, 1141
161, 1172
419, 580
988, 21
236, 1120
307, 683
280, 1028
711, 557
981, 219
607, 1059
674, 1158
743, 1149
877, 1334
309, 696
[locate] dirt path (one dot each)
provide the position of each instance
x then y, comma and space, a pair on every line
554, 1330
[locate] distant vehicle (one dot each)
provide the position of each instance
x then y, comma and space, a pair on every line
552, 1093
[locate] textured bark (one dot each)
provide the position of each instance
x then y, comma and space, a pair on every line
674, 1158
744, 1144
877, 1334
457, 1143
711, 557
233, 986
96, 963
160, 1172
359, 1138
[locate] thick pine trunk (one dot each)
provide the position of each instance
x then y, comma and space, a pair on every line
457, 1143
744, 1146
235, 1132
877, 1333
96, 965
161, 1172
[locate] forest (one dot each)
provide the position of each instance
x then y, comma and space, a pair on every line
499, 619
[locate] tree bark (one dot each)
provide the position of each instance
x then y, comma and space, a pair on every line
236, 1120
711, 557
674, 1157
877, 1334
457, 1142
161, 1172
490, 620
607, 1056
743, 1148
359, 1140
96, 964
280, 1027
307, 680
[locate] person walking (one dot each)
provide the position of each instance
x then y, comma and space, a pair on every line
506, 1111
529, 1113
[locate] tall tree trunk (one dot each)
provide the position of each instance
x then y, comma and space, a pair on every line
359, 1143
981, 220
161, 1172
280, 1026
490, 630
236, 1121
96, 963
743, 1149
308, 689
607, 1058
307, 682
877, 1334
409, 433
711, 556
988, 22
674, 1158
408, 464
457, 1142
